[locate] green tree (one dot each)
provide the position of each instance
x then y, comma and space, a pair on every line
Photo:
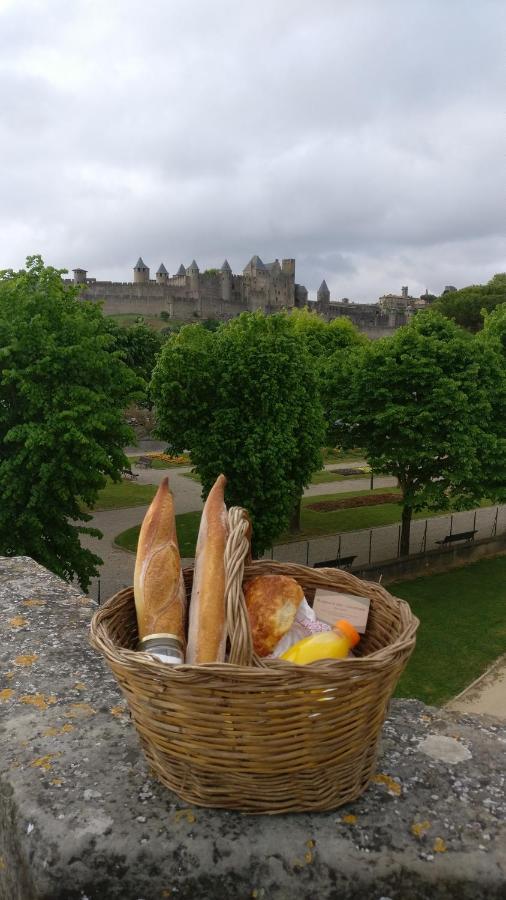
467, 306
493, 337
330, 345
420, 404
63, 388
139, 345
244, 401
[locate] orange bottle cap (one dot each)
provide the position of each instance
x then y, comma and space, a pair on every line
348, 630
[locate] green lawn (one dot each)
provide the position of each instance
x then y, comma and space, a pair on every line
318, 478
325, 475
192, 475
125, 493
462, 628
331, 455
159, 463
126, 320
187, 525
313, 523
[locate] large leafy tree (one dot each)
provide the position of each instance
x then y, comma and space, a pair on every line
466, 306
140, 346
493, 339
421, 404
63, 388
330, 345
244, 400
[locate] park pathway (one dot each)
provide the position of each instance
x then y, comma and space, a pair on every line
486, 695
117, 570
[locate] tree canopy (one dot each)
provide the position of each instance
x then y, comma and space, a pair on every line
466, 306
63, 389
244, 401
140, 346
421, 405
330, 346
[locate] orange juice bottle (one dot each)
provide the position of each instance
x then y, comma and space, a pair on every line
335, 644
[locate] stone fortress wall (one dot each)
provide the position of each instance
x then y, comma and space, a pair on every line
191, 295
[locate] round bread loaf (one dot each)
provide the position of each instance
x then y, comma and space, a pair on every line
272, 602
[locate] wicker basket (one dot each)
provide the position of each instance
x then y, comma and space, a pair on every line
257, 735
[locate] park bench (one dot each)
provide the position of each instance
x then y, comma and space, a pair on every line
342, 562
461, 536
128, 475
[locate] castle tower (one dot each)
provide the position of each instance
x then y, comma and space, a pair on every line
79, 276
162, 276
226, 281
141, 272
288, 269
181, 272
193, 272
323, 297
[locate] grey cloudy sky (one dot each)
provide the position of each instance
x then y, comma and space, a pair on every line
363, 137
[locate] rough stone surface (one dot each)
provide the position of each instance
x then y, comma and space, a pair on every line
80, 816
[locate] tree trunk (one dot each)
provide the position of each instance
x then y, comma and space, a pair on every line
407, 512
295, 517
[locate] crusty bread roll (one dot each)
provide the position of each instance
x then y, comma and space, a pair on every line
160, 598
272, 602
207, 626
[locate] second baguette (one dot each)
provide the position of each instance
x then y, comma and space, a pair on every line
207, 631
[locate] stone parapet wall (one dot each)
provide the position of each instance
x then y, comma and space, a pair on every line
81, 817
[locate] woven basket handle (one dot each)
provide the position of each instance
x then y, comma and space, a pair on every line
236, 554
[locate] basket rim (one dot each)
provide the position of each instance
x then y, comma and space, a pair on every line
101, 640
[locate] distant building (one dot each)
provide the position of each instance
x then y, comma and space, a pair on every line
191, 295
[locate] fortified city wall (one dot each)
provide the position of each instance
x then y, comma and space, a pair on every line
190, 295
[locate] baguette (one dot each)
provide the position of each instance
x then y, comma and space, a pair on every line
207, 627
160, 597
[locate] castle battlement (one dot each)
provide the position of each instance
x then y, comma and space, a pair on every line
189, 295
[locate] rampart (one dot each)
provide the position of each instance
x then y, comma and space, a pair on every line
81, 818
218, 293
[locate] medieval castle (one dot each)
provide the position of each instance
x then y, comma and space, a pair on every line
191, 295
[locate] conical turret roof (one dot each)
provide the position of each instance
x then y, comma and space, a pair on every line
162, 270
323, 289
254, 263
140, 264
226, 266
193, 266
181, 270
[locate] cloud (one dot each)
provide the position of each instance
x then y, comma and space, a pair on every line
359, 137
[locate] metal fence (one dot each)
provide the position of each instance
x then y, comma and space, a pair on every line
374, 545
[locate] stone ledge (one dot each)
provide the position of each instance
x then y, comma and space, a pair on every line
80, 816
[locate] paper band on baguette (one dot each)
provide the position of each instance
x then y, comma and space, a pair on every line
160, 597
207, 623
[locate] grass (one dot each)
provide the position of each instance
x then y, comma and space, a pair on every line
324, 476
124, 494
313, 522
462, 628
334, 455
193, 475
318, 478
187, 525
155, 322
160, 463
